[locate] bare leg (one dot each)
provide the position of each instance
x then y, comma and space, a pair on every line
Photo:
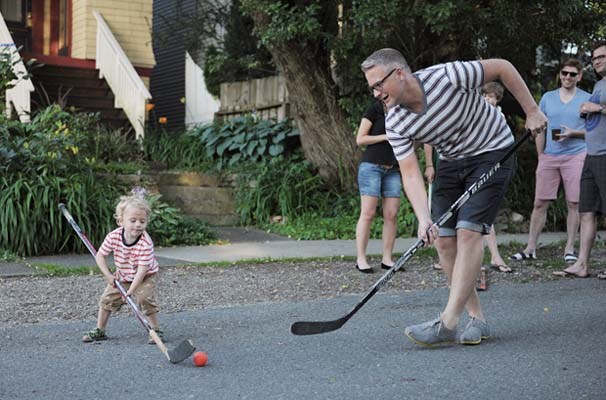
537, 223
589, 224
391, 205
466, 268
572, 225
495, 256
368, 209
103, 318
447, 251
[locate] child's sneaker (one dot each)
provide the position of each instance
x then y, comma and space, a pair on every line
159, 333
94, 336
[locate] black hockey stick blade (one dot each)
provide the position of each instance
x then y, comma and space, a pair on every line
316, 327
181, 352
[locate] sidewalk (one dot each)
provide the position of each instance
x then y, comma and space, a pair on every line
246, 244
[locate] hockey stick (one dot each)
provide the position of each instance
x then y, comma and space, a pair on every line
316, 327
179, 353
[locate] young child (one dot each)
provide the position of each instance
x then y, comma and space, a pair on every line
136, 265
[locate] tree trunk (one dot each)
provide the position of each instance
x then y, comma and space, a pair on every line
327, 140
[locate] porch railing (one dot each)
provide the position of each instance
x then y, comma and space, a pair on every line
18, 97
129, 91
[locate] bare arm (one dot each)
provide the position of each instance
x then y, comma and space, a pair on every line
503, 70
540, 143
430, 169
414, 186
568, 132
364, 137
102, 264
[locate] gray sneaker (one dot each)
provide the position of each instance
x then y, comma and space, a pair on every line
475, 331
430, 334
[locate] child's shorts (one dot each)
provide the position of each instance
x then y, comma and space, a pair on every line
111, 299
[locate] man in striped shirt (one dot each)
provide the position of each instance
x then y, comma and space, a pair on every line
442, 106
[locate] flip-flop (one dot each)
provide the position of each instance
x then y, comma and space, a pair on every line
501, 268
570, 258
519, 256
437, 267
602, 275
566, 274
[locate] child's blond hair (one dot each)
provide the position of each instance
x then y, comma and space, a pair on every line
135, 200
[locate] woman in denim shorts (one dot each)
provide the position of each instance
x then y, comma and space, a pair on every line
378, 177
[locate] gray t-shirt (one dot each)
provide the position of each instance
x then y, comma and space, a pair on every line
595, 124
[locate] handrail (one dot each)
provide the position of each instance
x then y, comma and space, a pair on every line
18, 95
129, 91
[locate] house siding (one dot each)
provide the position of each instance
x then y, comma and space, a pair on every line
130, 22
168, 77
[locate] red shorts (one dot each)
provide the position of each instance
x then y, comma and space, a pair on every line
552, 170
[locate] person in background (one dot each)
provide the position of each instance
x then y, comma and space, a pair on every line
592, 201
561, 156
378, 178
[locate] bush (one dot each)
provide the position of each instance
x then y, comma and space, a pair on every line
246, 139
177, 152
168, 227
289, 187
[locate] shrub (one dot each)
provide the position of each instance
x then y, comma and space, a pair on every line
246, 139
168, 227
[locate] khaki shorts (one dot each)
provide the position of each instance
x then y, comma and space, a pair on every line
111, 299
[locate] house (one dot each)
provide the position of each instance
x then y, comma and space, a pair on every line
97, 55
177, 84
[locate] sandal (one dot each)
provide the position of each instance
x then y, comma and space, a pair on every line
523, 256
160, 335
602, 275
94, 336
437, 267
570, 258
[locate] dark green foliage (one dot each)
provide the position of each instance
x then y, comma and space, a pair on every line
239, 58
169, 227
176, 152
289, 187
245, 139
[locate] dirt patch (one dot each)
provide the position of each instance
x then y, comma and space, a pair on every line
47, 299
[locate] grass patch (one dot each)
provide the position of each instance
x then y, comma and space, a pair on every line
59, 270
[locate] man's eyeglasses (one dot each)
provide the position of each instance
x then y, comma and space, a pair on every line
379, 85
598, 58
569, 73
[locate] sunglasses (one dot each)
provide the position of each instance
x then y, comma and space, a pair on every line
569, 73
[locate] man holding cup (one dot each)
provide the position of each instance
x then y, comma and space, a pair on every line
561, 154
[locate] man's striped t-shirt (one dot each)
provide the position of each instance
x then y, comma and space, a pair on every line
456, 121
129, 258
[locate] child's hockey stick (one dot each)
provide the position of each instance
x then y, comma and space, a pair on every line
315, 327
179, 353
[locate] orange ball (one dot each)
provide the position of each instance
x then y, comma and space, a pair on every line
200, 358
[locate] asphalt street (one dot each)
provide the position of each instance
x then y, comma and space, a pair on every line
548, 343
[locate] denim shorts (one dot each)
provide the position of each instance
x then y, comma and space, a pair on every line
379, 181
455, 177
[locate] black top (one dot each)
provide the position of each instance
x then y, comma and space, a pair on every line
378, 153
